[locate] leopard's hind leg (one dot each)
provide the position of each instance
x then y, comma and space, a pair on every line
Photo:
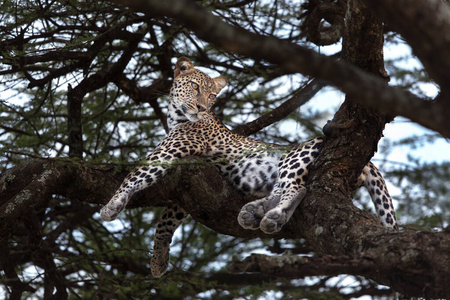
272, 212
274, 219
252, 213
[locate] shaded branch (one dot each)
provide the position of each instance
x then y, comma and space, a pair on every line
312, 26
368, 89
18, 287
293, 266
42, 257
424, 24
281, 112
74, 127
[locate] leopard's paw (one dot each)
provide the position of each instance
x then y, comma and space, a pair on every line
111, 210
273, 221
251, 215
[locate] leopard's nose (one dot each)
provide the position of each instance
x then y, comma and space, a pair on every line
201, 108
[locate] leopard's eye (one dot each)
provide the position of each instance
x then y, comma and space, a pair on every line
194, 85
212, 97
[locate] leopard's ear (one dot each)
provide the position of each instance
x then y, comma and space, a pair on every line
183, 66
220, 83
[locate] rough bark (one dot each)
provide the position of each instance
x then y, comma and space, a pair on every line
353, 135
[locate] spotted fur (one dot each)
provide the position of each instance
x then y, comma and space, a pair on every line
275, 174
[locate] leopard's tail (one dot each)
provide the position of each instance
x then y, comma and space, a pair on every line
372, 179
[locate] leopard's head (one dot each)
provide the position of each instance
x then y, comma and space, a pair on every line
194, 92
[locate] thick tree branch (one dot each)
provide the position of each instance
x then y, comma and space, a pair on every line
367, 88
425, 25
31, 185
293, 266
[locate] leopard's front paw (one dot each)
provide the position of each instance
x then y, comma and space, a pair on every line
111, 210
273, 221
108, 214
251, 215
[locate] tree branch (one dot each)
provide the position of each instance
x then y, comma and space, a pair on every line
370, 90
74, 126
148, 94
281, 112
293, 266
424, 24
17, 285
75, 95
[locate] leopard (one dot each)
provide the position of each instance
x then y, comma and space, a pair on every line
273, 174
